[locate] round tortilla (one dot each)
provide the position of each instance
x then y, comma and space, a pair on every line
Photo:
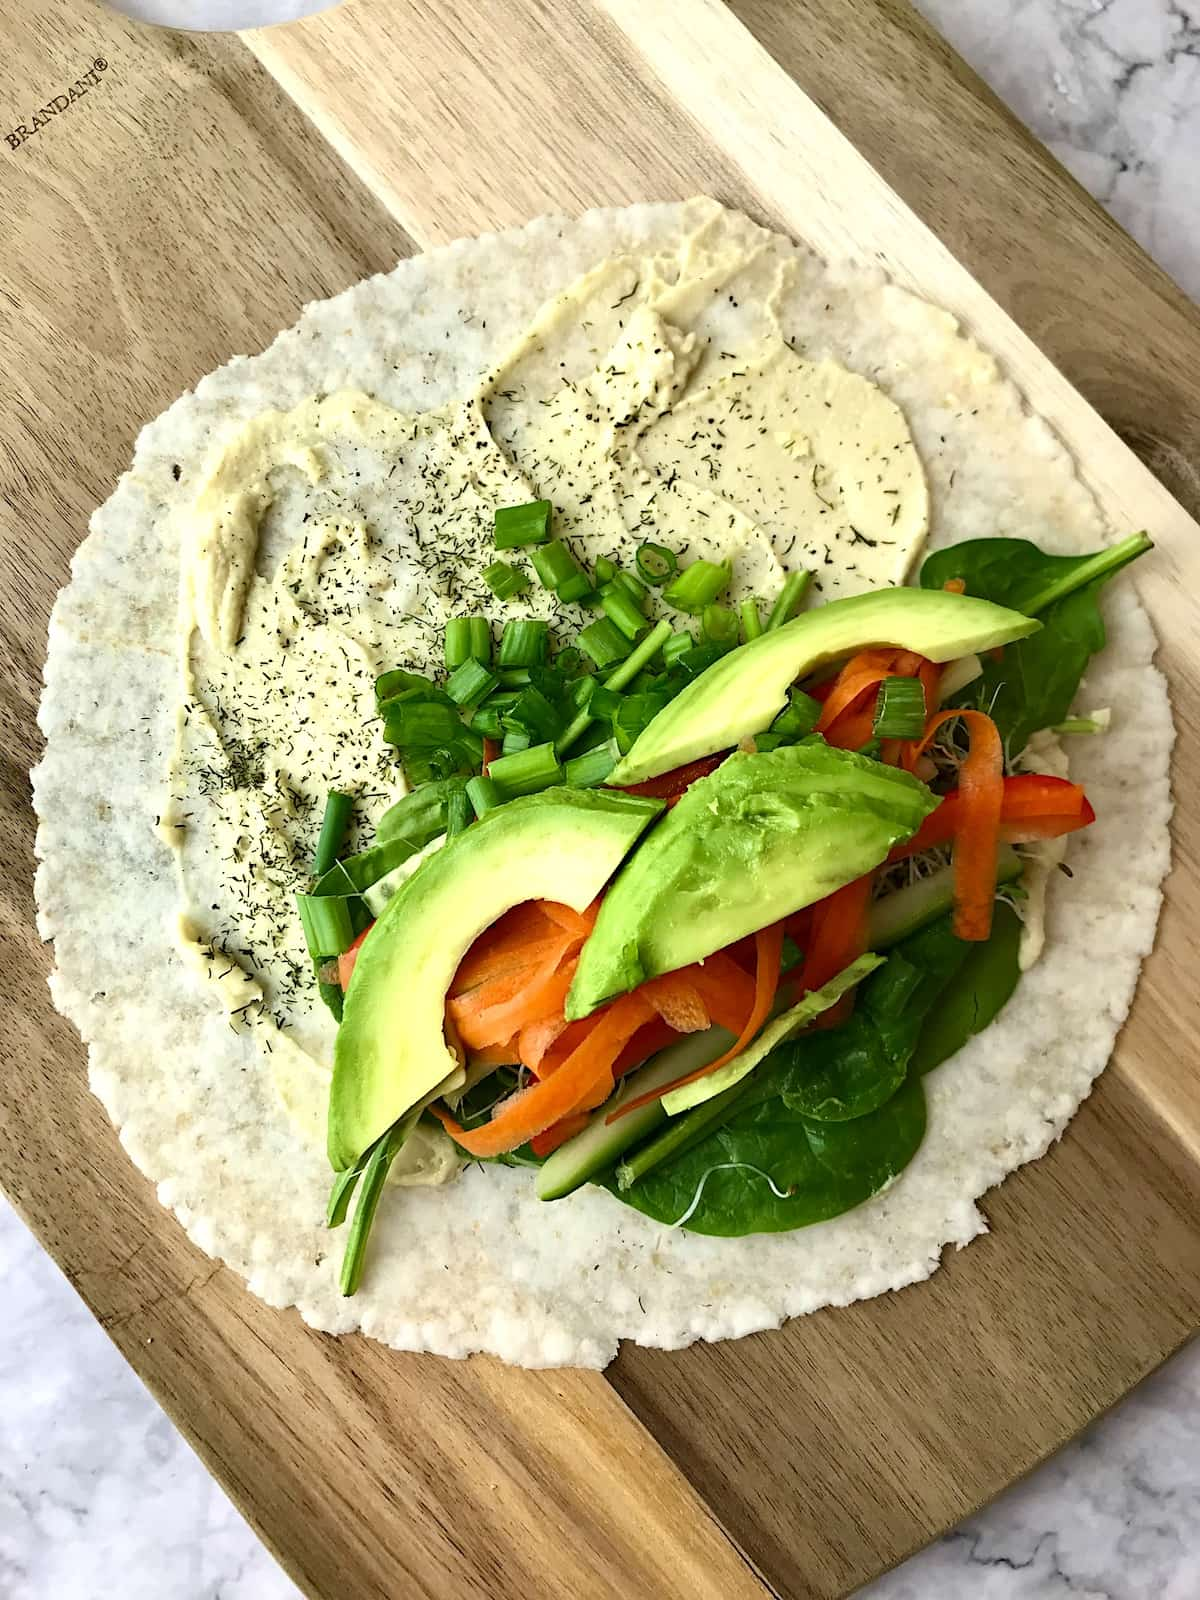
481, 1264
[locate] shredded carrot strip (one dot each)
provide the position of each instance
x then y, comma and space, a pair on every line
861, 674
977, 834
848, 717
769, 943
498, 1055
585, 1071
725, 988
539, 993
678, 1002
838, 934
577, 922
504, 947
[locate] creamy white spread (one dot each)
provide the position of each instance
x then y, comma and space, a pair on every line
328, 543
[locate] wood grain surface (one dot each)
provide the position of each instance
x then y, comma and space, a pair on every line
183, 210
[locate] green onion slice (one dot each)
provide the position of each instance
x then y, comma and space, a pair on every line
516, 526
334, 823
524, 643
526, 771
470, 683
591, 768
504, 581
795, 586
655, 563
622, 610
900, 709
697, 586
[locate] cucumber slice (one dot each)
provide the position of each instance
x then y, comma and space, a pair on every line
597, 1148
897, 915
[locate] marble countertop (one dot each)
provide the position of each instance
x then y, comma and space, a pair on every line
101, 1499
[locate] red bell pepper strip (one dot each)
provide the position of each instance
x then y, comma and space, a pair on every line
1032, 806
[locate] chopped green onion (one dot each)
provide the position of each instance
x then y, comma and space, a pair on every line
375, 1172
470, 683
418, 817
467, 639
458, 642
617, 679
524, 643
526, 771
603, 641
422, 726
515, 678
900, 709
520, 525
504, 581
622, 609
798, 718
633, 587
487, 722
677, 645
604, 701
697, 586
606, 570
635, 713
655, 563
343, 1188
481, 639
554, 564
870, 750
591, 768
400, 683
795, 586
576, 589
533, 712
334, 823
751, 620
458, 813
483, 795
571, 661
719, 625
328, 929
643, 653
515, 739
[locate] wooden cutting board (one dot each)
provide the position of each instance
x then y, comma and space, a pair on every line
181, 206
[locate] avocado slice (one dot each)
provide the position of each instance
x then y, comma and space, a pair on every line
757, 839
562, 844
742, 693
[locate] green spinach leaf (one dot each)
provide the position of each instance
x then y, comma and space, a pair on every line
847, 1072
1015, 573
818, 1169
1034, 682
984, 985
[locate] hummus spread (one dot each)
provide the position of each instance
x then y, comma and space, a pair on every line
325, 544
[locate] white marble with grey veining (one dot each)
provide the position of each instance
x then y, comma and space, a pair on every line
100, 1498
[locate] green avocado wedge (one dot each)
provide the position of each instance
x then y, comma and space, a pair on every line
757, 839
742, 693
562, 844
